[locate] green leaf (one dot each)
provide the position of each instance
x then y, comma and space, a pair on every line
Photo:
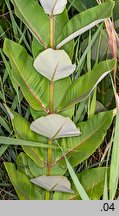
24, 188
60, 21
114, 170
39, 171
76, 181
34, 18
22, 164
84, 85
92, 135
86, 20
83, 4
3, 148
22, 130
12, 141
9, 71
93, 182
115, 12
34, 87
4, 124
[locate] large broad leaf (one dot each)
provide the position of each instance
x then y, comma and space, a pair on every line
24, 188
82, 5
26, 165
55, 126
34, 18
22, 164
86, 20
53, 7
60, 21
59, 168
22, 129
92, 135
93, 182
34, 87
53, 183
54, 64
84, 85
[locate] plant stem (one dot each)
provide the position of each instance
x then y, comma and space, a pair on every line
51, 32
47, 197
51, 96
49, 160
49, 157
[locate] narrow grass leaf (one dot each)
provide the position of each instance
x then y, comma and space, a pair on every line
76, 182
3, 148
114, 172
12, 141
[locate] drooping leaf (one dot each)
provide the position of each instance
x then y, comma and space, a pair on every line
92, 135
34, 18
86, 20
24, 188
84, 85
34, 87
53, 7
54, 64
55, 126
53, 183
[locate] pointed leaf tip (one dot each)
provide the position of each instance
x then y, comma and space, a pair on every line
53, 7
55, 126
54, 64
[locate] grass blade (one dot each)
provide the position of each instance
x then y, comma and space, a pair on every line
3, 148
114, 172
12, 141
76, 182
